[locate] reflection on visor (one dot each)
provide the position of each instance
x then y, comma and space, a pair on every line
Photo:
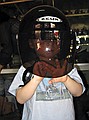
47, 34
46, 31
45, 25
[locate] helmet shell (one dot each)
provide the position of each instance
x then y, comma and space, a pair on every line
45, 14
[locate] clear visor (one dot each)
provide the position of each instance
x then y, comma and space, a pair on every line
47, 34
46, 31
46, 44
45, 41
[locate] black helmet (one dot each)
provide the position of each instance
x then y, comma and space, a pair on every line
51, 24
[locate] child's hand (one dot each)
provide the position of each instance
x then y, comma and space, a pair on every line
58, 79
39, 69
56, 71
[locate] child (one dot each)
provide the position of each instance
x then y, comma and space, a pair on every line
48, 93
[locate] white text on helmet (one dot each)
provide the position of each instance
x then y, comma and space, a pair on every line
49, 19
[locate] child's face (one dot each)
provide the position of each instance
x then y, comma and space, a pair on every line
46, 48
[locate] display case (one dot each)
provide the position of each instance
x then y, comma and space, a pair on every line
78, 19
79, 22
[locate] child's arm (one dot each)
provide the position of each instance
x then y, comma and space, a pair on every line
26, 92
73, 86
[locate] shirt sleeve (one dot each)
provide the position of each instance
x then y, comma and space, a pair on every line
74, 75
17, 81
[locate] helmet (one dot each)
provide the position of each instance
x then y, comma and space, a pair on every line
45, 24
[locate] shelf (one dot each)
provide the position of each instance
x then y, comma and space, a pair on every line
79, 66
9, 71
76, 15
13, 2
82, 36
82, 66
86, 44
